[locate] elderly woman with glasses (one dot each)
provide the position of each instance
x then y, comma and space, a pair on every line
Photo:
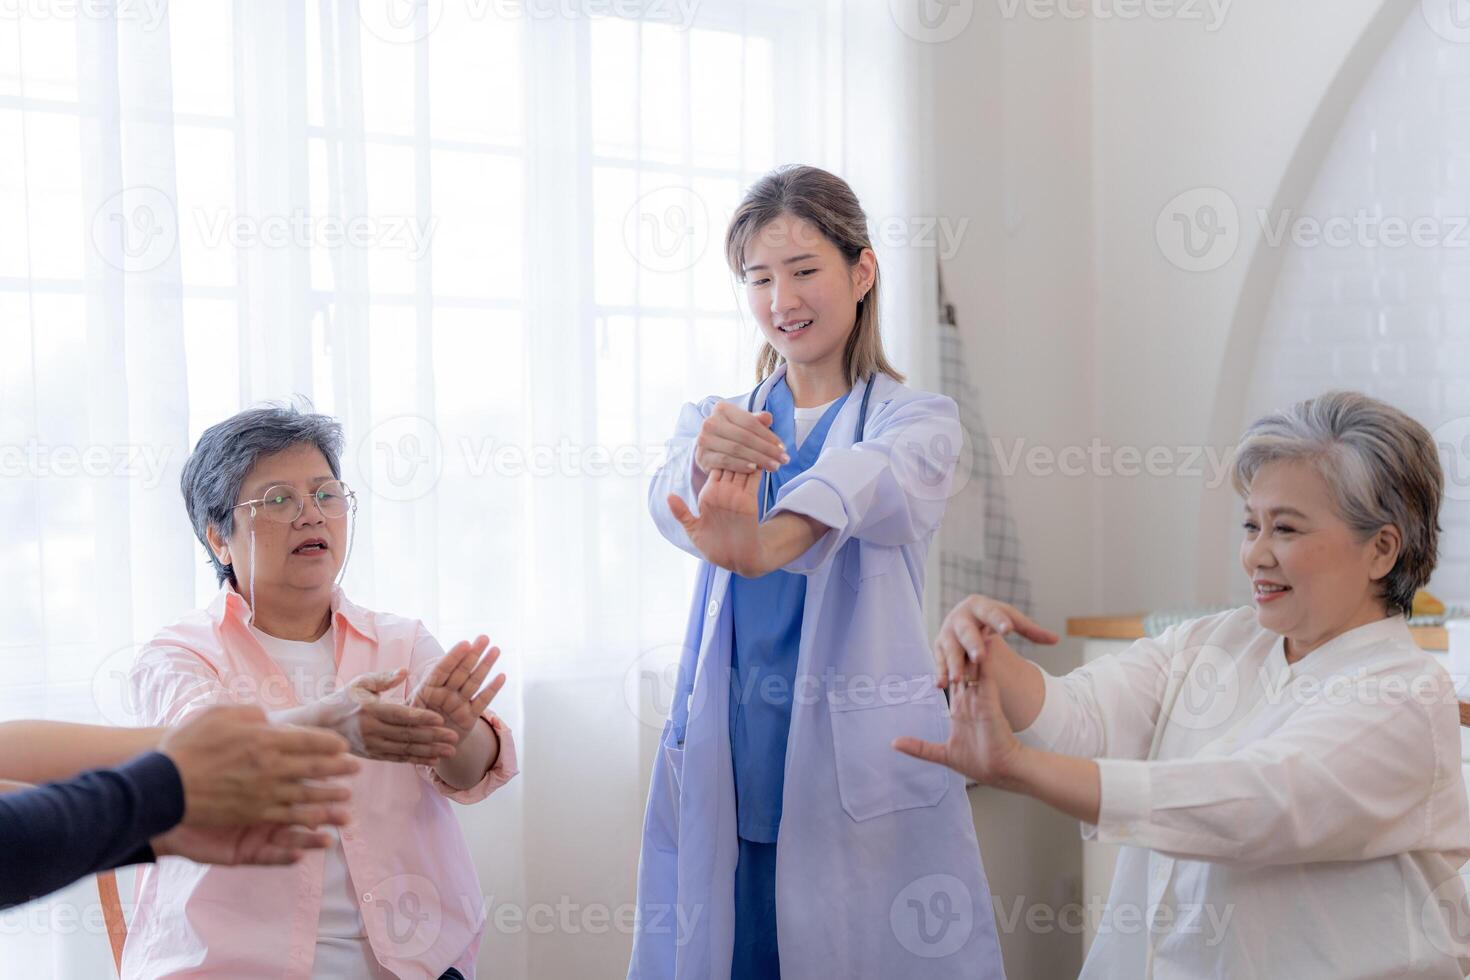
1284, 779
396, 893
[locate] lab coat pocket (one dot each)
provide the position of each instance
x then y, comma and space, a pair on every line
873, 778
862, 561
671, 753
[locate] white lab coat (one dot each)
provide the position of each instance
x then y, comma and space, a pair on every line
878, 870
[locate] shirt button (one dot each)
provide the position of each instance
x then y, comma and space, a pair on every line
368, 897
713, 608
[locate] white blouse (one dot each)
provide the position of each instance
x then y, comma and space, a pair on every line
1278, 820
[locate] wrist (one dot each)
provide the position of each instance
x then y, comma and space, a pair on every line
1018, 773
765, 557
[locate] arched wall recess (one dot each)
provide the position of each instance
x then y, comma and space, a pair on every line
1217, 524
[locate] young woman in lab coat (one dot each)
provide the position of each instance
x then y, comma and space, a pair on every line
783, 834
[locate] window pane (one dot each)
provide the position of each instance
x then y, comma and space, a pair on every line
478, 232
759, 111
390, 178
387, 85
48, 56
208, 223
714, 284
57, 224
614, 70
13, 247
323, 259
614, 260
475, 74
9, 57
715, 90
203, 55
662, 109
212, 359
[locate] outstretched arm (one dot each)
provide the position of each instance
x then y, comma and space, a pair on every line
45, 751
728, 533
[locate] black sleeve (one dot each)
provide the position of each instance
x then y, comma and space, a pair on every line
54, 834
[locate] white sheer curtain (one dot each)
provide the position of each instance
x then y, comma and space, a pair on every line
487, 236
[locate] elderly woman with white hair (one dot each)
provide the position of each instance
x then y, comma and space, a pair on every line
1284, 779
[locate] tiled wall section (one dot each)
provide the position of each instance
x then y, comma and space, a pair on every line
1391, 322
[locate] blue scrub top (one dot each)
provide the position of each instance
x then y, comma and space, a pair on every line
767, 613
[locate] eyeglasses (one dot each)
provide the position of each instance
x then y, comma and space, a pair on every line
285, 505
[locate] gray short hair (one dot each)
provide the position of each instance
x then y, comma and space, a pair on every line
225, 453
1381, 464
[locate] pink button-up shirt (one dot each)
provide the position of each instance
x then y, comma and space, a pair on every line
420, 897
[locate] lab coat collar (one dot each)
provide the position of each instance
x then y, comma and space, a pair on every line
844, 427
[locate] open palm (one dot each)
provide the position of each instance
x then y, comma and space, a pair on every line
725, 531
981, 744
455, 688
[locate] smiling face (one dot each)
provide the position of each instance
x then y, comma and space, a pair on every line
803, 292
294, 560
1313, 575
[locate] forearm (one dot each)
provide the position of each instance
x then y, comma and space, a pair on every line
327, 713
786, 537
47, 751
1067, 783
1022, 686
475, 755
307, 715
52, 835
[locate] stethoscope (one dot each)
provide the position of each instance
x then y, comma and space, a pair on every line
862, 426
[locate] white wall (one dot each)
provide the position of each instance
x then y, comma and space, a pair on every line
1062, 141
1391, 320
1180, 109
1013, 157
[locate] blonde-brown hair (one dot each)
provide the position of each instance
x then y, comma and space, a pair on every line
825, 201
